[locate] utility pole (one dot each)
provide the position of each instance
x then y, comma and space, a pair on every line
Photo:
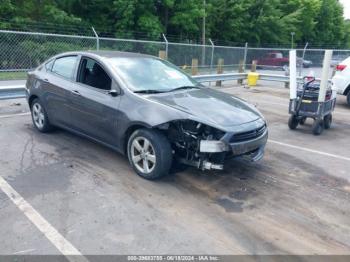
203, 34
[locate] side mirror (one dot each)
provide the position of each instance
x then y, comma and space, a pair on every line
113, 92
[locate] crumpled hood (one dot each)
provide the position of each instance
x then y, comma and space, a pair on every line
210, 106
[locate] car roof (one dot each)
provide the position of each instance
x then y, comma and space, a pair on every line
109, 54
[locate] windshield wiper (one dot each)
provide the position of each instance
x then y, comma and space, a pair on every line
148, 91
184, 87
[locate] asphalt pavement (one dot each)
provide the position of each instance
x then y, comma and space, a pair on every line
65, 192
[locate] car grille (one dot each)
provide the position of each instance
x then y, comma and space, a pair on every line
245, 136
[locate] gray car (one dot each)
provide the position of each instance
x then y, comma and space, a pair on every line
145, 108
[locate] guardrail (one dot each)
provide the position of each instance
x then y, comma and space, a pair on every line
220, 77
19, 92
242, 76
12, 92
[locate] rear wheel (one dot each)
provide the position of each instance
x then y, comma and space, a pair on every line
149, 153
39, 116
348, 98
327, 121
317, 127
293, 122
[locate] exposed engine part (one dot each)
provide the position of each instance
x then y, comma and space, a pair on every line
204, 165
209, 166
197, 144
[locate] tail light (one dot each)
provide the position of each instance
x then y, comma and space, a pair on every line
340, 67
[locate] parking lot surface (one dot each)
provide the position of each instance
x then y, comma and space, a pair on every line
295, 201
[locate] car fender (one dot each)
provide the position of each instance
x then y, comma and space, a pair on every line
137, 111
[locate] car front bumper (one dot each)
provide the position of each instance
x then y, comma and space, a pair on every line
253, 149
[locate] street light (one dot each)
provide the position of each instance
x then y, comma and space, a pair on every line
292, 34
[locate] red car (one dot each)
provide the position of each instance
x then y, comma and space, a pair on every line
278, 60
273, 59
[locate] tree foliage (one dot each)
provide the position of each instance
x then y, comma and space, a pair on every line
260, 22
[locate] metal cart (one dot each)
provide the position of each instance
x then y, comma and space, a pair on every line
306, 105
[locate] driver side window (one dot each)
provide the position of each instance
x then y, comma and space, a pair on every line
92, 74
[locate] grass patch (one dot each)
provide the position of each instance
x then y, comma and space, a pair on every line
13, 75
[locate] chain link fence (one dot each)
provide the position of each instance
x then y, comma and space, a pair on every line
22, 51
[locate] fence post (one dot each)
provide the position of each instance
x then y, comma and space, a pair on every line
162, 54
220, 69
253, 69
212, 55
240, 70
194, 66
245, 56
302, 58
97, 39
166, 46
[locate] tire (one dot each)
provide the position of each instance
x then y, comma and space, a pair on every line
153, 161
293, 122
348, 98
39, 117
327, 121
302, 121
317, 127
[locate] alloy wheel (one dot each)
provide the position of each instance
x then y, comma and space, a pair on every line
143, 155
38, 115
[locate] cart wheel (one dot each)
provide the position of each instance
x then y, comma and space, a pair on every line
317, 127
327, 121
302, 120
293, 122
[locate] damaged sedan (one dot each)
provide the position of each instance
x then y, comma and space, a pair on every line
145, 108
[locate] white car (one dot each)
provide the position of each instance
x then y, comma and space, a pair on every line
341, 79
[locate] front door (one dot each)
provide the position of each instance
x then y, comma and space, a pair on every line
94, 111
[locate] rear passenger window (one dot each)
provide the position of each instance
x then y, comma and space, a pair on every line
65, 66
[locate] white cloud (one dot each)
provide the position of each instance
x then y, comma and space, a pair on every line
346, 4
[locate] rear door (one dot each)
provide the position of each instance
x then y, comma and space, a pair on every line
59, 84
94, 111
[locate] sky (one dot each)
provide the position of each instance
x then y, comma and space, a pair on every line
346, 4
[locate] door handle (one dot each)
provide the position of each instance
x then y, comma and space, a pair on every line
46, 80
75, 92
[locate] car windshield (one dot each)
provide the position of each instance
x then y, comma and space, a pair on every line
151, 74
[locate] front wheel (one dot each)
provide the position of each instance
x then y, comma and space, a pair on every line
149, 153
293, 122
348, 98
39, 116
317, 127
327, 121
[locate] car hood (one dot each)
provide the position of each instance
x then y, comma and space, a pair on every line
209, 106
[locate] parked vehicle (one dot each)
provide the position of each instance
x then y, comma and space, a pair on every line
341, 79
276, 59
146, 108
336, 60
